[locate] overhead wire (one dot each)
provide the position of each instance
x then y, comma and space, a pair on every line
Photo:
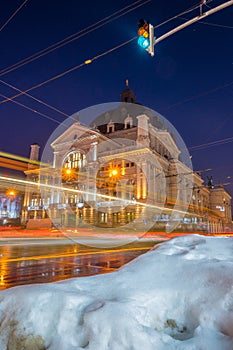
76, 35
34, 98
211, 144
205, 93
34, 111
85, 31
81, 65
92, 59
210, 23
190, 9
138, 3
67, 71
13, 15
216, 25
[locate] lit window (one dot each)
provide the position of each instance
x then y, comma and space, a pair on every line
75, 160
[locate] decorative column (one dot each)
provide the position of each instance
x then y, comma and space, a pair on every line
123, 167
91, 173
138, 184
154, 182
55, 159
94, 151
144, 180
143, 130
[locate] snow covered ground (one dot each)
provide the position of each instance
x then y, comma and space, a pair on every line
177, 296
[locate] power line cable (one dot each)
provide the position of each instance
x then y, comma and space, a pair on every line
190, 9
13, 15
205, 93
216, 25
34, 98
211, 144
75, 36
69, 70
91, 60
34, 111
210, 23
46, 104
85, 31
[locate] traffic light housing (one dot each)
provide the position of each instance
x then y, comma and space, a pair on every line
146, 36
143, 34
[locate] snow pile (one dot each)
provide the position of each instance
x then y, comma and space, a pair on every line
177, 296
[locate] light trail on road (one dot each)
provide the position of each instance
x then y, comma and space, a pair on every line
54, 256
65, 262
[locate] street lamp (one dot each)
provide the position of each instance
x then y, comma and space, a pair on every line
113, 172
11, 193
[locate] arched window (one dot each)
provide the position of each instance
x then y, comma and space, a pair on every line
75, 160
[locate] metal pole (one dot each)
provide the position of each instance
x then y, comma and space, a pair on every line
195, 19
201, 10
152, 40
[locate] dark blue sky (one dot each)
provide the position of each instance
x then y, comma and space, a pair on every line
184, 81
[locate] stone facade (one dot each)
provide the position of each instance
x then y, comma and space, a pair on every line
125, 167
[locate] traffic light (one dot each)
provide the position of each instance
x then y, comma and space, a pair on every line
146, 36
143, 34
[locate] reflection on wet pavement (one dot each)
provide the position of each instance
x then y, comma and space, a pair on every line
28, 264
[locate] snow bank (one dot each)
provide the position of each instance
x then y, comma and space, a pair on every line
177, 296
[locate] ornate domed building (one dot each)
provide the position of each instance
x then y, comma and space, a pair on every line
128, 167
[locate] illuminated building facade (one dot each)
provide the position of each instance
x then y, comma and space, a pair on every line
125, 167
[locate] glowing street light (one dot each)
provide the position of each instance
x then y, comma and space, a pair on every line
11, 193
113, 172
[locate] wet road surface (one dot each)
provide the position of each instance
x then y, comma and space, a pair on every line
42, 261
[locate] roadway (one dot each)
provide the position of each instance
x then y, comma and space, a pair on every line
37, 260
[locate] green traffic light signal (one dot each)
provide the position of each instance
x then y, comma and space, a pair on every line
146, 36
143, 42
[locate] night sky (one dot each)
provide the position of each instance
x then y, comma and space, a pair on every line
189, 80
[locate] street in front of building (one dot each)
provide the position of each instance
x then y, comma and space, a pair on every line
29, 261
